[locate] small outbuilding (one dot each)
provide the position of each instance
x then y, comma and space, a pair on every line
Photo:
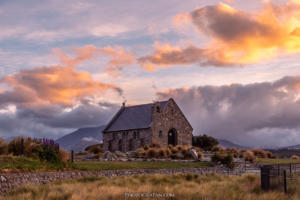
135, 126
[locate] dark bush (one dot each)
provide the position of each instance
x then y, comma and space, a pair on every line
43, 149
95, 149
226, 160
3, 147
205, 142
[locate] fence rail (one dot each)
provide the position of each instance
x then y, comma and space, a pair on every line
279, 176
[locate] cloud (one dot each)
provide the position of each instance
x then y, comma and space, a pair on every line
52, 84
264, 114
119, 59
237, 37
52, 100
82, 54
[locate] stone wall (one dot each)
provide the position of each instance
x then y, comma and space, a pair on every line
168, 118
126, 140
10, 181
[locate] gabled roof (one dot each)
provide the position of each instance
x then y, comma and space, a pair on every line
132, 117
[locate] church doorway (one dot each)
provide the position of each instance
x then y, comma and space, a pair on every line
172, 137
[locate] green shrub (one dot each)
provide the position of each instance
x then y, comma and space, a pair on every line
226, 160
205, 142
95, 149
24, 146
49, 155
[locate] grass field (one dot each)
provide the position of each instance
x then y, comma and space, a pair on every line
179, 187
136, 165
277, 161
26, 164
15, 163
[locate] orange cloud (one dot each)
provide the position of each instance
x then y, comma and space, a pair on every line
53, 84
118, 59
81, 55
238, 37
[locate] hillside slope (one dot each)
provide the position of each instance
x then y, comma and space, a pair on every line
81, 138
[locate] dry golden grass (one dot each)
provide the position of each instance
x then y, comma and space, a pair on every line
3, 146
183, 186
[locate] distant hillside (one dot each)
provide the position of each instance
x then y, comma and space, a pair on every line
81, 138
228, 144
294, 147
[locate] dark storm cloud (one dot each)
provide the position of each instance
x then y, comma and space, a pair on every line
53, 120
255, 114
228, 24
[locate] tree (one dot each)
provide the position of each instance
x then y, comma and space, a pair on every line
205, 142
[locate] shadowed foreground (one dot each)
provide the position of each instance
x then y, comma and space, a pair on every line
182, 186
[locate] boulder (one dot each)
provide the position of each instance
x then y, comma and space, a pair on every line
109, 156
193, 153
2, 179
120, 154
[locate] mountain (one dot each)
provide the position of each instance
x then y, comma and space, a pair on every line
294, 147
228, 144
81, 138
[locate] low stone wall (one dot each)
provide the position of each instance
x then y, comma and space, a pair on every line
10, 181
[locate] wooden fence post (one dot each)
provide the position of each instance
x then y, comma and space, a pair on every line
284, 181
22, 146
265, 177
72, 156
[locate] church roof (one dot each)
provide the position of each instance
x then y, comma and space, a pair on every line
132, 117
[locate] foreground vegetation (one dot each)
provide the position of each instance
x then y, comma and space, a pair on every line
86, 165
180, 186
19, 163
278, 161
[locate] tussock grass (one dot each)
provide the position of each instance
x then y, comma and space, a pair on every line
183, 186
277, 161
114, 165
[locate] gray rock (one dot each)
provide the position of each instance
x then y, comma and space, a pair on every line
3, 179
109, 156
120, 154
193, 153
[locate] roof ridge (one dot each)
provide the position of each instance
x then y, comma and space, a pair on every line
145, 104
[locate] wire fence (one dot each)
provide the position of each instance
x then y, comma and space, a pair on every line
283, 177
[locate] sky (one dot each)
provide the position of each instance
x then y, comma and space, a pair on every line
230, 65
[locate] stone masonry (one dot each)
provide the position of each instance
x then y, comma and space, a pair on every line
135, 126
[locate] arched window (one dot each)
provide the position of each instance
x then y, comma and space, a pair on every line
160, 134
158, 109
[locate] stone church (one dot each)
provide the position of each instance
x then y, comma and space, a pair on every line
135, 126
